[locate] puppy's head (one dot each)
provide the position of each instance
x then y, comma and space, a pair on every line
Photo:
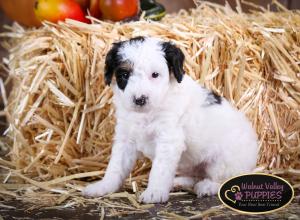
141, 71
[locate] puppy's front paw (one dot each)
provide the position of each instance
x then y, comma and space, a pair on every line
154, 196
206, 187
98, 189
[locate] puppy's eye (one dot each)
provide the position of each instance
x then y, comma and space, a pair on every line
124, 75
155, 75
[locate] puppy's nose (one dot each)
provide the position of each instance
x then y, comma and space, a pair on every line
142, 100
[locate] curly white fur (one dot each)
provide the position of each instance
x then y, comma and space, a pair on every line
179, 129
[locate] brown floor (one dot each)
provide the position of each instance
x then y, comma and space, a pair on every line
183, 205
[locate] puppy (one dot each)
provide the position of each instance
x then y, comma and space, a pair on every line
166, 116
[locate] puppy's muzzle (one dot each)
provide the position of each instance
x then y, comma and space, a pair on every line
141, 101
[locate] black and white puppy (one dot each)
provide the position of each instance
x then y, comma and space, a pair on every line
185, 129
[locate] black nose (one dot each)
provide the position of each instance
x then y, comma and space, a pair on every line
141, 100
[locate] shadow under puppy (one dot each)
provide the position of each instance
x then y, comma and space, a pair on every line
185, 129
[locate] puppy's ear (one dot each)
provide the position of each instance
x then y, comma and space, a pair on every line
112, 60
175, 59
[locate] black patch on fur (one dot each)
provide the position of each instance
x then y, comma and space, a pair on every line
175, 59
213, 98
112, 61
122, 76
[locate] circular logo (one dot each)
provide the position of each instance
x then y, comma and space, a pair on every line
256, 193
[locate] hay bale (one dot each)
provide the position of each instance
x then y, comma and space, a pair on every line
60, 112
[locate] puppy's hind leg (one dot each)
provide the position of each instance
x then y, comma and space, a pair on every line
184, 181
213, 177
206, 187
